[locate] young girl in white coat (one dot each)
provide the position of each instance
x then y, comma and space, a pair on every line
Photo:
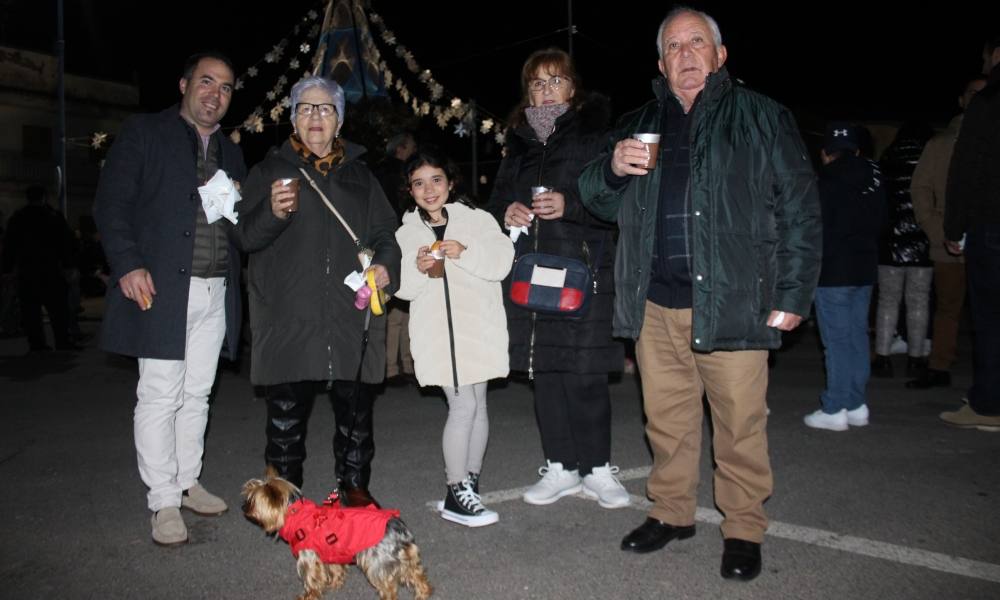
458, 328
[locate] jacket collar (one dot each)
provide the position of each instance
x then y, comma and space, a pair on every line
351, 152
715, 85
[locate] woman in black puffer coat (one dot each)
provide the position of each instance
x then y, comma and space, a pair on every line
554, 132
905, 267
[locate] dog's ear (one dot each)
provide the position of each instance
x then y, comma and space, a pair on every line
270, 472
250, 486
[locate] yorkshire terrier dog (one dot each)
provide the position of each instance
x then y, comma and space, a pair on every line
327, 538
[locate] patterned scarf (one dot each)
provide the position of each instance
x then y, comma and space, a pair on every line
543, 118
323, 164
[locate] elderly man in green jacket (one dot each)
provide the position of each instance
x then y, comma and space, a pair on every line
719, 252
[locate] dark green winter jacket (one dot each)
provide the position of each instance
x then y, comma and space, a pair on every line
756, 231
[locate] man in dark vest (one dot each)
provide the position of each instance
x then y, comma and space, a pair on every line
174, 301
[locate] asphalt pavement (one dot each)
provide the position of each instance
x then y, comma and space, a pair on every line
904, 508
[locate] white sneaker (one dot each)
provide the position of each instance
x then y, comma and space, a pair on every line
555, 483
858, 417
605, 487
821, 420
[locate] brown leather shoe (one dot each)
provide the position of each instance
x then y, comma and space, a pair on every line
356, 497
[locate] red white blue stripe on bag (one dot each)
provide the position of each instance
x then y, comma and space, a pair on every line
523, 293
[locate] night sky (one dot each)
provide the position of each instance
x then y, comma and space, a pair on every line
828, 60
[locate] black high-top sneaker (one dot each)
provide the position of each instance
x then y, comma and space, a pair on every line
462, 505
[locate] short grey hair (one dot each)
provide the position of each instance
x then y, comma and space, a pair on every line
687, 10
327, 85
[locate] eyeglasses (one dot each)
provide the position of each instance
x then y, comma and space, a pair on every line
554, 83
305, 109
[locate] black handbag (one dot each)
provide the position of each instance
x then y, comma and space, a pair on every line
555, 285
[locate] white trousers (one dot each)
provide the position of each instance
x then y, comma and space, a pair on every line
172, 409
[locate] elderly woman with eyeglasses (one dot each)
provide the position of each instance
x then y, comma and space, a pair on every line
555, 130
307, 333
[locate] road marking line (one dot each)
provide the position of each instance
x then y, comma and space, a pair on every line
936, 561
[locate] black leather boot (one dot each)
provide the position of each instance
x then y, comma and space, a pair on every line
353, 440
288, 409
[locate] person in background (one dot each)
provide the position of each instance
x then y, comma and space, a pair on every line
398, 359
927, 189
854, 212
38, 249
972, 215
904, 257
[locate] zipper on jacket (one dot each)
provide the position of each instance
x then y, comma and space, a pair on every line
536, 227
328, 302
451, 333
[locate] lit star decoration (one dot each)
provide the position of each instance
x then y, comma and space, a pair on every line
304, 48
460, 130
98, 140
252, 72
235, 136
487, 125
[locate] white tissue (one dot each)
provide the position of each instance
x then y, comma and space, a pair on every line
219, 197
515, 232
355, 281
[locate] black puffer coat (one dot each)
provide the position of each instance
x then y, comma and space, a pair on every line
304, 323
904, 243
544, 343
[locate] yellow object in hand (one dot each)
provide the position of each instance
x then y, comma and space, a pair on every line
378, 299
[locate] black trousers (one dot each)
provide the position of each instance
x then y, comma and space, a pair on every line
982, 264
49, 290
574, 419
288, 408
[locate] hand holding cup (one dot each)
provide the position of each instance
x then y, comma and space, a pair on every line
284, 197
629, 158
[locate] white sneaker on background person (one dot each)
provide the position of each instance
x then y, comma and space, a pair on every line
858, 417
822, 420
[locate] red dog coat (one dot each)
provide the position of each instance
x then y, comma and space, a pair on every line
336, 533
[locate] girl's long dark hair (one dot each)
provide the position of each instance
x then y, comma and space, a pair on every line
432, 156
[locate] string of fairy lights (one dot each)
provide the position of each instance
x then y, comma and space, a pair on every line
294, 57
